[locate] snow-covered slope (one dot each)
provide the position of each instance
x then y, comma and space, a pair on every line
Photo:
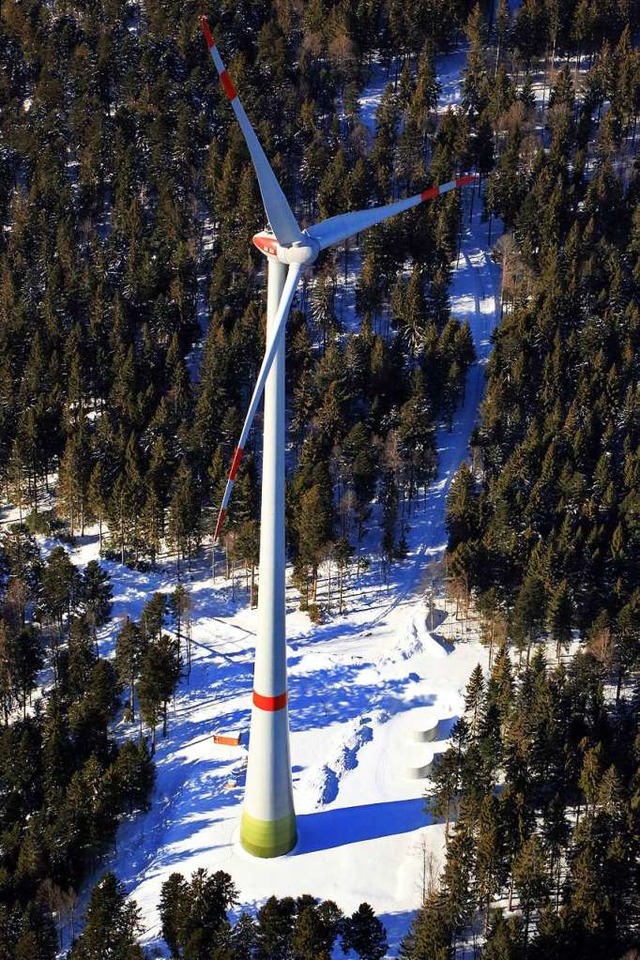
363, 689
359, 686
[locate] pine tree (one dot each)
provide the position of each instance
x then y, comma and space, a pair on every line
531, 878
94, 596
74, 476
430, 935
500, 688
60, 585
130, 648
180, 604
7, 691
528, 613
358, 451
457, 877
30, 867
474, 697
36, 932
364, 933
416, 435
152, 618
159, 674
174, 909
135, 775
243, 937
97, 496
390, 497
247, 547
102, 695
462, 508
26, 658
560, 612
555, 832
111, 925
81, 657
590, 775
626, 631
152, 525
589, 901
490, 866
183, 523
209, 899
275, 925
504, 938
446, 784
313, 527
315, 931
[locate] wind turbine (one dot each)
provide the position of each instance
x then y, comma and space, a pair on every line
268, 825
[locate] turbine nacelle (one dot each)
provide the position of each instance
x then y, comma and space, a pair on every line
302, 252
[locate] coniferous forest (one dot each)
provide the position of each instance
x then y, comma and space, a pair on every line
131, 332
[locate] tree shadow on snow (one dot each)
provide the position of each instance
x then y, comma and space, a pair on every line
397, 926
336, 695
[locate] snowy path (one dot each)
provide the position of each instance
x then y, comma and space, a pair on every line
474, 297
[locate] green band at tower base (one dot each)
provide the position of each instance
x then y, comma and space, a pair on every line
268, 838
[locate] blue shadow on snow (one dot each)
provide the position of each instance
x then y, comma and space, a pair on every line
325, 829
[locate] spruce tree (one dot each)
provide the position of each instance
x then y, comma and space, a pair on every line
365, 934
112, 925
94, 596
130, 649
159, 674
275, 926
173, 909
473, 700
183, 523
531, 878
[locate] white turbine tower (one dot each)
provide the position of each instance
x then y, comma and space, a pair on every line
268, 826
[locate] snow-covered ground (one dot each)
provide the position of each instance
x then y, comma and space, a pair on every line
449, 70
359, 685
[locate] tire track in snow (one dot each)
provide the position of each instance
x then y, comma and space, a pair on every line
323, 783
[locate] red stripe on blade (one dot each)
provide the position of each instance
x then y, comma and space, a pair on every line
227, 83
271, 704
221, 517
466, 180
204, 25
429, 194
235, 463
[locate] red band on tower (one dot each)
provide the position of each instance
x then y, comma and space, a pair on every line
429, 194
227, 83
235, 463
270, 704
204, 25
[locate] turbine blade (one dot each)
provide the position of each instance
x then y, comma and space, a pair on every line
333, 231
279, 213
291, 285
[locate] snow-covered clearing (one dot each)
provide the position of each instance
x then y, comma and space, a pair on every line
359, 685
363, 689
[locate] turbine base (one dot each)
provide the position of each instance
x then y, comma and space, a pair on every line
268, 838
